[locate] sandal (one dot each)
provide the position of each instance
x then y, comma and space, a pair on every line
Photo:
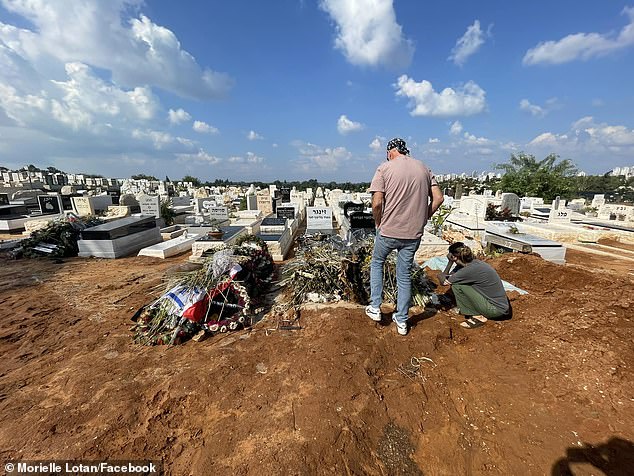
471, 323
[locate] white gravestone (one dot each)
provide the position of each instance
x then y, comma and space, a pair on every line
597, 201
150, 205
474, 205
318, 218
218, 213
560, 215
83, 206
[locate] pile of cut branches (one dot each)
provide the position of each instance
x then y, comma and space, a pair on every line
334, 269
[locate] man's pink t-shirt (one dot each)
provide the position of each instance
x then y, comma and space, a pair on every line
406, 184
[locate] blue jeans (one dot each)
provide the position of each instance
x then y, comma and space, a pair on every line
406, 250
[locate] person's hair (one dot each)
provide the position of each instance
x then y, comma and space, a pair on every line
461, 251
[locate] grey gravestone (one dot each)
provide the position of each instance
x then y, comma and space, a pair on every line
359, 220
512, 202
286, 212
458, 192
50, 204
129, 200
4, 199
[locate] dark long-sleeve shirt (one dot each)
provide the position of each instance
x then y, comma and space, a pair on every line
484, 279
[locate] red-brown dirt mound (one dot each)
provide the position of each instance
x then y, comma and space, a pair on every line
343, 395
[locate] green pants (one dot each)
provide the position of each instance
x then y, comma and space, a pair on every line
472, 303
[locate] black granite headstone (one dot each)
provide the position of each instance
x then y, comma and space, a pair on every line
67, 203
350, 207
115, 196
49, 204
286, 212
360, 220
285, 192
118, 228
269, 221
4, 199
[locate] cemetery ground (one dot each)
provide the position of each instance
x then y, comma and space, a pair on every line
546, 392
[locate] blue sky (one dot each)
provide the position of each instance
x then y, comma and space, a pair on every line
290, 89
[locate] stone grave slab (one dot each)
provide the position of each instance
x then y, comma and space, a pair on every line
278, 244
119, 247
13, 210
172, 247
119, 228
204, 243
499, 233
171, 232
273, 225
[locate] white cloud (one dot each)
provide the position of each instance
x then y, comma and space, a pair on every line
251, 158
456, 128
375, 145
466, 100
433, 140
135, 51
204, 128
252, 135
468, 44
179, 116
368, 34
473, 140
159, 138
587, 137
345, 125
533, 109
201, 156
582, 45
317, 158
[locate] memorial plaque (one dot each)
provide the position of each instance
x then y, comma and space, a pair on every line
218, 213
270, 221
150, 205
286, 212
285, 192
115, 196
359, 220
319, 218
49, 204
4, 199
350, 207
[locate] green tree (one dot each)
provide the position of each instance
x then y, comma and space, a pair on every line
143, 177
195, 182
546, 178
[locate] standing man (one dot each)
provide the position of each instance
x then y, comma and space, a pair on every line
404, 195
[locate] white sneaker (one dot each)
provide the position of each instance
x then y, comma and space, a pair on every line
402, 330
373, 313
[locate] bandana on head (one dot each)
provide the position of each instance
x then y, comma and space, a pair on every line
398, 144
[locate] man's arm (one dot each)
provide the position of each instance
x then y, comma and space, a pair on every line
377, 208
436, 199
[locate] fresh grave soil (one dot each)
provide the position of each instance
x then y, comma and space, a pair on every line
547, 392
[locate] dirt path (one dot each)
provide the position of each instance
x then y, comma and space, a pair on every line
343, 395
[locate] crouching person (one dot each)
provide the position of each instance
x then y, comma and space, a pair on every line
477, 287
